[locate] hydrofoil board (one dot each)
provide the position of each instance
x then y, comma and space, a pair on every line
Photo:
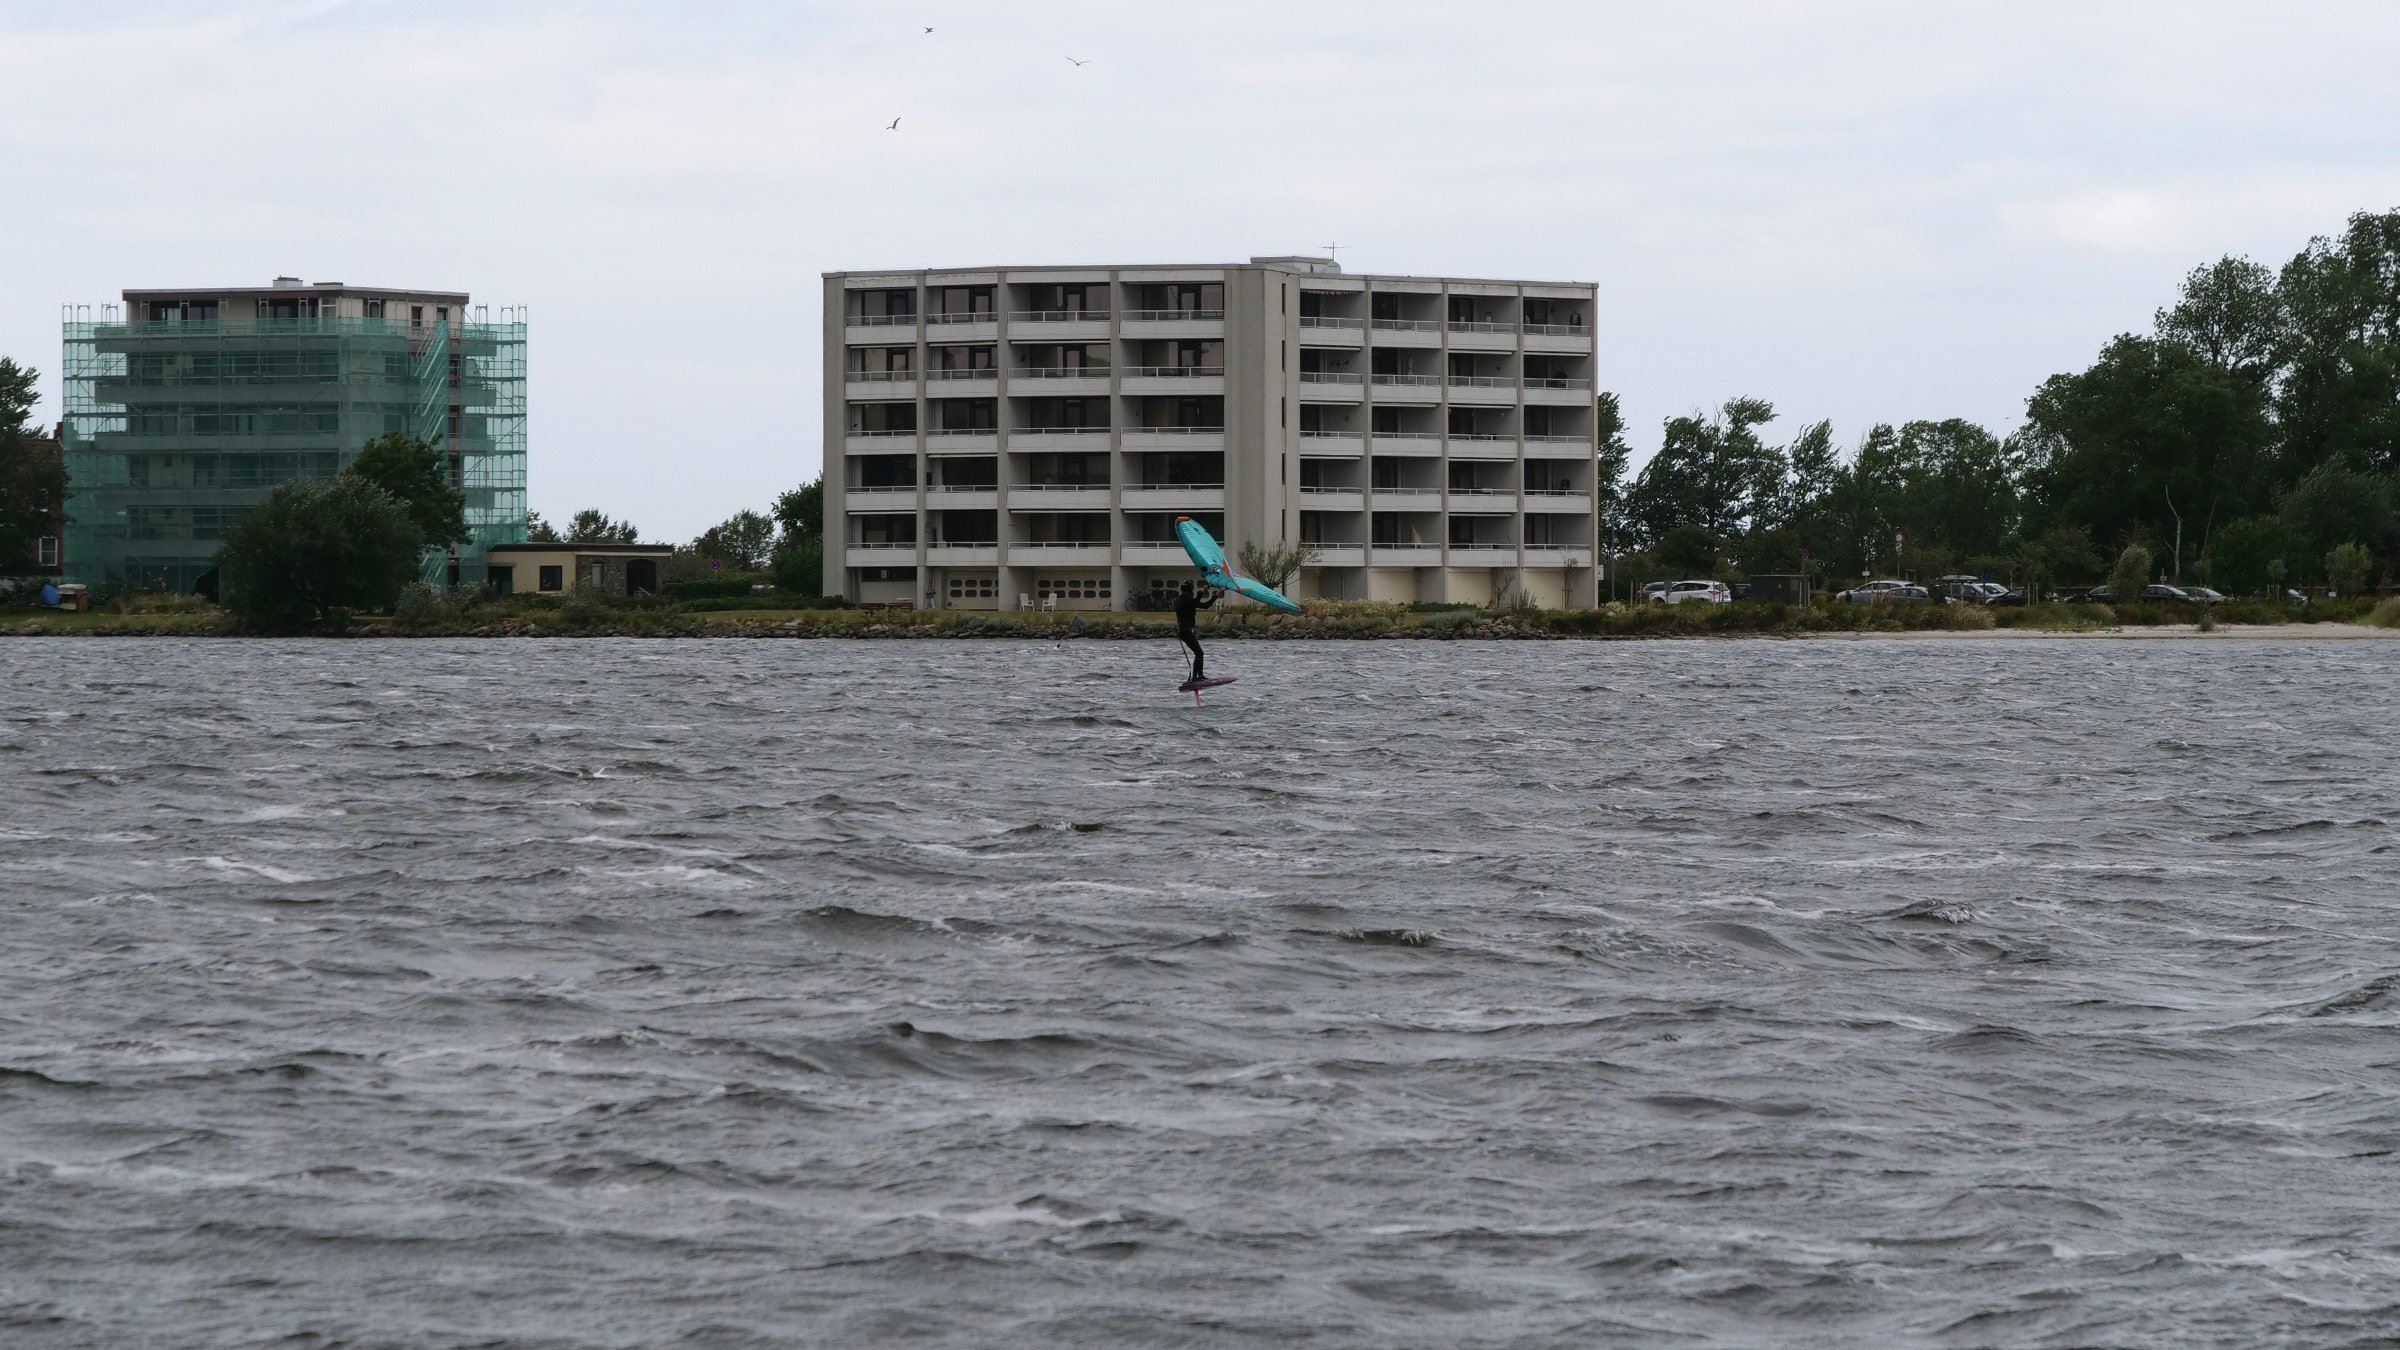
1195, 686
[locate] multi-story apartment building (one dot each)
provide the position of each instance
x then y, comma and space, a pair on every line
1025, 436
191, 405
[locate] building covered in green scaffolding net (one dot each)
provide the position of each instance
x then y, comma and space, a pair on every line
190, 406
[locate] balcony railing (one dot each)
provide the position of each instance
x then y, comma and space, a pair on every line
1058, 316
1482, 548
1556, 329
1332, 435
1176, 431
1481, 492
1483, 381
1555, 492
1558, 440
1059, 372
962, 316
1329, 321
1080, 546
1059, 431
1481, 436
1174, 487
1170, 315
1171, 372
966, 373
1409, 325
882, 320
1330, 491
1555, 382
1414, 380
1058, 487
1469, 326
881, 376
1331, 377
854, 431
1406, 435
962, 487
962, 431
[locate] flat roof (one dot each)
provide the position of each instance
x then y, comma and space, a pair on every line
1209, 266
581, 548
313, 288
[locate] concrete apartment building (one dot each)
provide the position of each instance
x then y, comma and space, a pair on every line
192, 404
1027, 436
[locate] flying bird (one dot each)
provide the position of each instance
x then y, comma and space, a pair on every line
895, 126
928, 30
1085, 62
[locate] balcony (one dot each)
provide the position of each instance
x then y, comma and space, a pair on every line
877, 442
1332, 386
1058, 496
1058, 438
961, 497
1022, 554
1478, 336
1554, 329
1423, 443
1564, 503
1153, 553
962, 555
1405, 499
880, 555
1174, 497
879, 384
1543, 555
1174, 316
1331, 444
1404, 555
1332, 499
1175, 438
1557, 337
1407, 388
1174, 379
1017, 316
1477, 445
1481, 501
1482, 388
985, 439
1581, 442
1331, 322
1340, 555
880, 499
1483, 555
878, 328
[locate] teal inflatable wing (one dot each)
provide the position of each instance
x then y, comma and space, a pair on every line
1210, 559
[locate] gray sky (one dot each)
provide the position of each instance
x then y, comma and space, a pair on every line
1859, 209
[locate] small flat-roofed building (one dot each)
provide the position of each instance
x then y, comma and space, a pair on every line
556, 568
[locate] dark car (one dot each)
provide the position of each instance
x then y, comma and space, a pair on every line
2008, 597
2098, 595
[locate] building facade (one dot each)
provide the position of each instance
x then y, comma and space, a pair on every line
1027, 436
189, 406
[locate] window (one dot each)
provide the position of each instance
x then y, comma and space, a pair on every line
441, 314
974, 588
47, 551
374, 309
503, 578
1073, 588
554, 578
416, 316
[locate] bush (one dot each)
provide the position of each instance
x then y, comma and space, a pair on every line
1451, 623
2130, 575
2347, 567
313, 552
154, 602
2385, 615
716, 586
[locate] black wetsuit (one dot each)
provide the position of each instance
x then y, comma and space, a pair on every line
1187, 614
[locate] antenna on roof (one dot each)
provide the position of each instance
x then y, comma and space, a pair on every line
1333, 251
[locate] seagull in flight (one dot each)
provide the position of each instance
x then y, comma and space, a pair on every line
895, 126
928, 30
1084, 62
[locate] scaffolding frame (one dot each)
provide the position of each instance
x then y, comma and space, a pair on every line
174, 428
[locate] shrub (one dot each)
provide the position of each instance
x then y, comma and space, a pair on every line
2347, 567
312, 552
2130, 575
2386, 614
1451, 623
719, 586
155, 602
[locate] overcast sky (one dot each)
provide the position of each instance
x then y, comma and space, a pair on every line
1864, 210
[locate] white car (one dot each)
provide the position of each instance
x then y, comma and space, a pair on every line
1707, 592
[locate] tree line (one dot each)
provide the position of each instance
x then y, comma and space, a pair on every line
2247, 441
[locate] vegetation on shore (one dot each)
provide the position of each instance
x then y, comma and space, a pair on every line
428, 611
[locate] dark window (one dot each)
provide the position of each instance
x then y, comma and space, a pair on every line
554, 578
503, 578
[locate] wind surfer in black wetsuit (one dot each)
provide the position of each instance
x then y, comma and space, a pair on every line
1187, 614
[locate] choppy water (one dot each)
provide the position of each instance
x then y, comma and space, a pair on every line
1444, 994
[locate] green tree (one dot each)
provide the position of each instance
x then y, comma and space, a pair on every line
538, 530
741, 541
800, 512
1711, 471
593, 527
1271, 565
2130, 575
799, 557
2241, 555
416, 474
1615, 529
2337, 393
313, 552
31, 475
1689, 552
2348, 567
2334, 505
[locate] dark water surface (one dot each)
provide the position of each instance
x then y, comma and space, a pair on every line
984, 994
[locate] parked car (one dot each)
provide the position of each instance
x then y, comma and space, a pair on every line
1707, 592
2204, 595
1653, 591
1741, 590
2008, 597
1873, 592
1973, 590
2098, 595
